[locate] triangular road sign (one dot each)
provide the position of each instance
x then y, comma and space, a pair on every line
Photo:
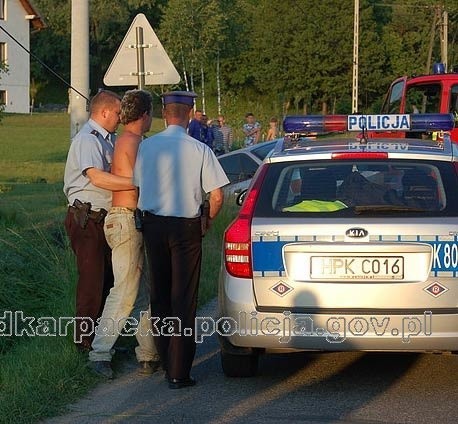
159, 69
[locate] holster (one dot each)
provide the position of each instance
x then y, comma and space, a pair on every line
205, 217
138, 219
81, 212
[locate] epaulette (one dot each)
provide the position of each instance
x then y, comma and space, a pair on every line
95, 132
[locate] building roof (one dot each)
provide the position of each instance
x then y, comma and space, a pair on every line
31, 10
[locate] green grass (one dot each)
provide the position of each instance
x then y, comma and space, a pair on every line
33, 147
211, 253
40, 375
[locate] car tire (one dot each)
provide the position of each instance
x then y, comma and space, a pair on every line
239, 365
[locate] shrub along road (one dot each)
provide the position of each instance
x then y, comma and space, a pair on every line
297, 387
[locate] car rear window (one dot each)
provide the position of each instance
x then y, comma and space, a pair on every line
262, 151
349, 188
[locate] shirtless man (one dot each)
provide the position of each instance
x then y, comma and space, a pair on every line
129, 299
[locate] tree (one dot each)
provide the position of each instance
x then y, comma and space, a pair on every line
192, 32
374, 76
52, 46
109, 22
306, 58
411, 37
274, 57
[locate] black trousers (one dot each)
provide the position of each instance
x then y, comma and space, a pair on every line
95, 275
174, 250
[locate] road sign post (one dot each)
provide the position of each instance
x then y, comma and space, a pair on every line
140, 58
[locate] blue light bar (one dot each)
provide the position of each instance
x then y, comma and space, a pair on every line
320, 124
314, 123
426, 122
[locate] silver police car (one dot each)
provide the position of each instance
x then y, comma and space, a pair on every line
344, 243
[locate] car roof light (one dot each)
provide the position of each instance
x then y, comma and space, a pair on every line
425, 122
321, 124
314, 124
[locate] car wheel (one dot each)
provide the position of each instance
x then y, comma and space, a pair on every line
239, 365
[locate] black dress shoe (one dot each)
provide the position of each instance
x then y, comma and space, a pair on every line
179, 383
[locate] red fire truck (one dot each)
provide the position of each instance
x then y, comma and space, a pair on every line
435, 93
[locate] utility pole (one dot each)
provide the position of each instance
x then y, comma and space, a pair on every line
79, 65
440, 19
444, 38
354, 101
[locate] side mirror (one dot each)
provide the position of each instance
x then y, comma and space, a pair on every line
241, 197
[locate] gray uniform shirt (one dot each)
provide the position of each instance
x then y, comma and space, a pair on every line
90, 148
172, 170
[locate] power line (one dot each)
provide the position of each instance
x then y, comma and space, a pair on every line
44, 64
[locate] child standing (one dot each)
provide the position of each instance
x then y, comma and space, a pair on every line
273, 129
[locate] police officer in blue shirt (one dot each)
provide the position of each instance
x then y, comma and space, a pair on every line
88, 185
195, 126
172, 171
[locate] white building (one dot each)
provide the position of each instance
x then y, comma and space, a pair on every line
17, 18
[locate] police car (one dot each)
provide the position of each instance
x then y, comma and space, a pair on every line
345, 244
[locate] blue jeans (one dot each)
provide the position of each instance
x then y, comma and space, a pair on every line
129, 299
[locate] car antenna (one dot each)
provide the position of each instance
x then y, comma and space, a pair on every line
363, 139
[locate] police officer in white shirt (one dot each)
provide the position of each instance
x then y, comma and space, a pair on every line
172, 170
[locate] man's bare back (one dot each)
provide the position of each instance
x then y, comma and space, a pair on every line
125, 154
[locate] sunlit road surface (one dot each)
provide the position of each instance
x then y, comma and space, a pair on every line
291, 388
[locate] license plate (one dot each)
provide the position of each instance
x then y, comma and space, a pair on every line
357, 267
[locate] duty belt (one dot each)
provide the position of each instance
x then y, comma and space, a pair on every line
97, 216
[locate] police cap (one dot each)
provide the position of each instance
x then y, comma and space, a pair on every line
183, 97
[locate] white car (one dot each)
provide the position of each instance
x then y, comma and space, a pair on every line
240, 165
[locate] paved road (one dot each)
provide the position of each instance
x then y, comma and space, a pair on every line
358, 388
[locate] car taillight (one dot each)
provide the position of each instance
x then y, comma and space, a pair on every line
359, 155
237, 238
237, 248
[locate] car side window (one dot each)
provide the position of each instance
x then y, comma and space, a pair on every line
423, 98
248, 165
393, 102
238, 167
231, 166
262, 151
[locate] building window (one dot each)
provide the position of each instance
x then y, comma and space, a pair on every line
2, 53
2, 9
2, 97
